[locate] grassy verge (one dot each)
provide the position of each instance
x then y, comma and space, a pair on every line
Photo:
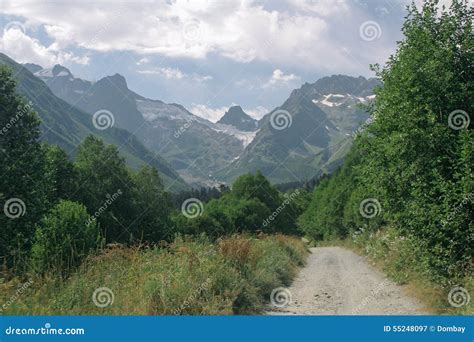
402, 262
188, 277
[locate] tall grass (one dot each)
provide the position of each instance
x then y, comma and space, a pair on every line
188, 277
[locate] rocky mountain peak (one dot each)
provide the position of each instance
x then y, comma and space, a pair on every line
236, 117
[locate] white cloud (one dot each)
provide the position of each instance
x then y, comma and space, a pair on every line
168, 73
257, 112
199, 78
279, 77
175, 74
143, 60
321, 7
211, 114
242, 30
22, 48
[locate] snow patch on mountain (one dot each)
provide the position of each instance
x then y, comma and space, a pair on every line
244, 136
336, 100
152, 110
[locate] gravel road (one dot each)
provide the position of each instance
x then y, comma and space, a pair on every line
336, 281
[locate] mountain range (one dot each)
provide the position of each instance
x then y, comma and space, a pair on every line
195, 147
307, 135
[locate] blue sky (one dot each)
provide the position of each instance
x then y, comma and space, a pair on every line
205, 54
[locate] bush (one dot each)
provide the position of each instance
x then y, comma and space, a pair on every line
63, 239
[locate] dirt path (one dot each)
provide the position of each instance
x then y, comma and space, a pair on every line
337, 281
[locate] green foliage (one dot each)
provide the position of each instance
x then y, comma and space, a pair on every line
253, 205
247, 214
153, 206
283, 208
106, 188
61, 175
410, 158
328, 214
256, 186
22, 168
63, 239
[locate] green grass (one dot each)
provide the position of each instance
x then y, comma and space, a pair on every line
189, 277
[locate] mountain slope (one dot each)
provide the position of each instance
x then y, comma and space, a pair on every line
110, 93
67, 126
309, 133
195, 147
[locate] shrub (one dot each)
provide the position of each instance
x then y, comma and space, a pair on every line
63, 239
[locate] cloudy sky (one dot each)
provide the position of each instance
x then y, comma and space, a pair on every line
205, 54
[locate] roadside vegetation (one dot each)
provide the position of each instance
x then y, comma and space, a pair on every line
190, 276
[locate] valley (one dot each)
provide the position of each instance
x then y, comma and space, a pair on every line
276, 181
324, 116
